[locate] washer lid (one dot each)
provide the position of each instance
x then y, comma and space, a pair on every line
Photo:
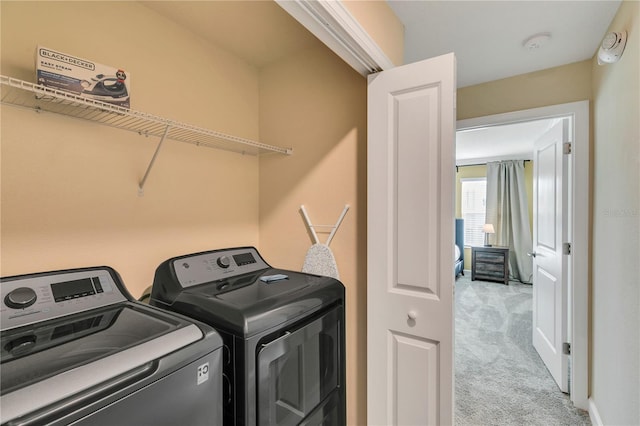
236, 291
246, 305
89, 348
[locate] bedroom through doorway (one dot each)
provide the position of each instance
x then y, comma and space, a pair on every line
488, 139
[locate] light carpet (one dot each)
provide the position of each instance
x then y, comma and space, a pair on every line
500, 378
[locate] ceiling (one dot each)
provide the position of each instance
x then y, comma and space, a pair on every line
503, 142
486, 36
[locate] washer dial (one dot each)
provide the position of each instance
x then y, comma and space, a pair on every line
20, 298
223, 262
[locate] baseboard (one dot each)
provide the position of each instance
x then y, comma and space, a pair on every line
594, 415
467, 272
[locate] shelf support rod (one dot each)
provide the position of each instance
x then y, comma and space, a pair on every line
153, 160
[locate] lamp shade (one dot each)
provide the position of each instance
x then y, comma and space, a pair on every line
487, 228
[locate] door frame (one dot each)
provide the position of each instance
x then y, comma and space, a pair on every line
579, 219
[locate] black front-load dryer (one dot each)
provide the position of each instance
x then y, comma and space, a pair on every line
283, 334
78, 349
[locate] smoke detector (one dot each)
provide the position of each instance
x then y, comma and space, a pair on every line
612, 47
536, 41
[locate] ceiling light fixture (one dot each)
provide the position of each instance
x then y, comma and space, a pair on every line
536, 41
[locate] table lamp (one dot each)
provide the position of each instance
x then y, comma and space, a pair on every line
487, 228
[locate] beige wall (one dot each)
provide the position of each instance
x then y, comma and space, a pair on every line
316, 103
69, 188
615, 365
382, 24
564, 84
481, 171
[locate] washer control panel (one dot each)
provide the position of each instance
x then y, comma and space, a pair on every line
33, 298
217, 265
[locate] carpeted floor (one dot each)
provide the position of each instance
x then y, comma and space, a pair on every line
500, 379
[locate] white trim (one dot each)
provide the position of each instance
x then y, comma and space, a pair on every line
594, 415
484, 160
580, 245
334, 25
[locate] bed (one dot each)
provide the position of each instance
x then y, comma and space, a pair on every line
458, 263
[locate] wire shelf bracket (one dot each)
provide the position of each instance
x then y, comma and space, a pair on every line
153, 160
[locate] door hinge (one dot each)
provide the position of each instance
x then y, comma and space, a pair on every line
566, 248
566, 148
566, 348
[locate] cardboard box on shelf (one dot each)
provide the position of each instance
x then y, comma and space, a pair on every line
83, 77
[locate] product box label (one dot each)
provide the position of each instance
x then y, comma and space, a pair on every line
83, 77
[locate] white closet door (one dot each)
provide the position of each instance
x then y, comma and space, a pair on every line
411, 172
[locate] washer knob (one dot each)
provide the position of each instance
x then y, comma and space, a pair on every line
21, 345
224, 262
20, 298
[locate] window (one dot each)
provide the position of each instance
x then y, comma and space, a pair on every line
474, 205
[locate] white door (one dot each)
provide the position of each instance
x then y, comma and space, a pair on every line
411, 165
550, 193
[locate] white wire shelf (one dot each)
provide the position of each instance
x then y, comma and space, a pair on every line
40, 98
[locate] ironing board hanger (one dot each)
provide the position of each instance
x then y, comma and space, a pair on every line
312, 227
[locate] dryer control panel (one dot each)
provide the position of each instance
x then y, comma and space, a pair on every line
217, 265
27, 299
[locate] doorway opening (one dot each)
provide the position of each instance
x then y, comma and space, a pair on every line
578, 213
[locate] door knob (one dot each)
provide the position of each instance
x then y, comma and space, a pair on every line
532, 254
412, 315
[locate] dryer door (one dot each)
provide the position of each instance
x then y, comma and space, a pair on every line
299, 374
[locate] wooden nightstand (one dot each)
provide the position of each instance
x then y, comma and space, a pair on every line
490, 263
